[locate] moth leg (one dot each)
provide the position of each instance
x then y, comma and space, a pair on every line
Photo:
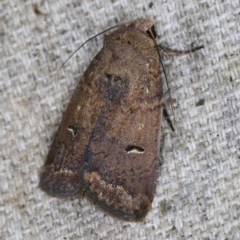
169, 51
167, 117
169, 100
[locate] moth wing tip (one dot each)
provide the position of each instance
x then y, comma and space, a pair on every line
60, 183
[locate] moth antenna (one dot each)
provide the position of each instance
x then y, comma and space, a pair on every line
164, 73
170, 51
84, 44
175, 52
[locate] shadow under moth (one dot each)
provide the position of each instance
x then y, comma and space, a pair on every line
107, 146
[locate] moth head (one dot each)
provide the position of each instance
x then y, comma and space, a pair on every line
146, 26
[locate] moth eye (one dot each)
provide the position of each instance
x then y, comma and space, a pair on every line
152, 33
134, 149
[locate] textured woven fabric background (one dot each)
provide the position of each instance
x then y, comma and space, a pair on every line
198, 192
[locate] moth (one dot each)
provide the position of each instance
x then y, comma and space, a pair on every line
107, 146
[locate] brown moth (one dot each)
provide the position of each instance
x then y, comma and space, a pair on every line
107, 145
